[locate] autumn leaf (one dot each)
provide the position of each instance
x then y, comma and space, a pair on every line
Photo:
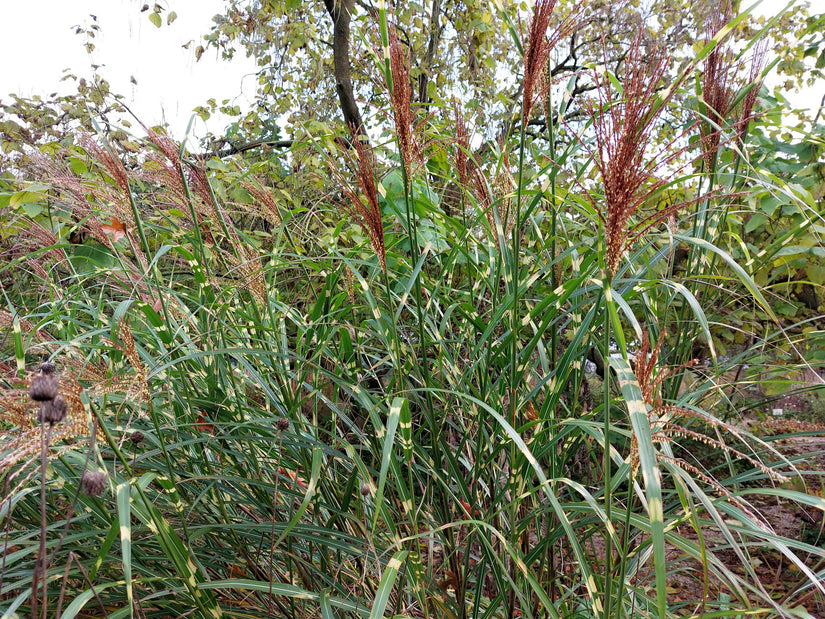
116, 229
293, 476
203, 427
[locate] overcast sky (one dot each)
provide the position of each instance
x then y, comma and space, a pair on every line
40, 42
169, 81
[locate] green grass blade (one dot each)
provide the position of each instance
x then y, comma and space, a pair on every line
382, 595
288, 591
325, 606
124, 514
746, 279
387, 436
651, 475
19, 351
81, 600
174, 548
311, 488
405, 421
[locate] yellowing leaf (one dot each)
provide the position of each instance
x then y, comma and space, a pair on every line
155, 19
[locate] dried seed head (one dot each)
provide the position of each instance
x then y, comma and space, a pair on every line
401, 96
137, 437
365, 490
624, 130
47, 368
536, 51
282, 424
43, 388
93, 483
52, 411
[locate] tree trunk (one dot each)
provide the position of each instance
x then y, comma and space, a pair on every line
340, 11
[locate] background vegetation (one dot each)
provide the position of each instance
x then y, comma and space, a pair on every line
504, 343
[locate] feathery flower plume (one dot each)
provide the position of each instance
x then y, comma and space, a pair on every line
719, 95
175, 174
502, 186
401, 97
462, 143
538, 46
36, 238
753, 85
452, 197
89, 198
112, 165
23, 445
251, 271
665, 420
536, 51
367, 215
265, 203
163, 167
196, 174
623, 130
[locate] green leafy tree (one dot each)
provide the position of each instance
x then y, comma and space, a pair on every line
316, 59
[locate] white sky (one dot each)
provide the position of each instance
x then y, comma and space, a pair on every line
40, 42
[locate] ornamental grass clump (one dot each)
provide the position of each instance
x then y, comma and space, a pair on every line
414, 433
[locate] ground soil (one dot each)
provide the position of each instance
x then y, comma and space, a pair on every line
779, 577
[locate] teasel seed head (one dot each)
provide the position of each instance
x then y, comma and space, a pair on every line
93, 483
47, 368
365, 490
53, 411
43, 388
282, 424
137, 437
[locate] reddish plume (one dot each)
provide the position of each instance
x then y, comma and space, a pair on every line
368, 215
624, 125
401, 97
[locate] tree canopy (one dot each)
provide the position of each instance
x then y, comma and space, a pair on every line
316, 59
